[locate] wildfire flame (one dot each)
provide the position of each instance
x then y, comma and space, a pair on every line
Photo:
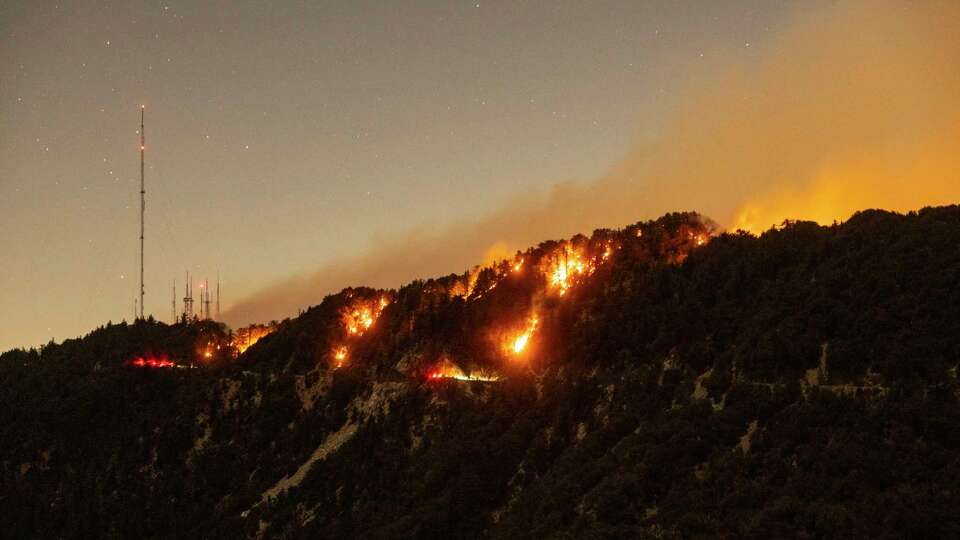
244, 338
360, 317
357, 319
446, 369
565, 267
152, 362
360, 320
520, 342
340, 356
555, 270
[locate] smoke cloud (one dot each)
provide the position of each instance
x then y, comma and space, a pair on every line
853, 105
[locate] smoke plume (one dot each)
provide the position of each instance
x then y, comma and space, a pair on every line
853, 105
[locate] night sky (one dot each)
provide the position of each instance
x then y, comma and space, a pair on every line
286, 137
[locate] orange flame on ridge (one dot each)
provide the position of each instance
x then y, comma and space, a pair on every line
446, 369
520, 342
340, 356
357, 319
244, 338
565, 266
362, 315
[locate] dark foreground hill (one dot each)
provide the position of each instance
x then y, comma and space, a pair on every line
649, 382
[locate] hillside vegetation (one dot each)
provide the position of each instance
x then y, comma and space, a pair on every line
659, 381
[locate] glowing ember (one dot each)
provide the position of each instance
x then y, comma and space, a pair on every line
518, 265
698, 239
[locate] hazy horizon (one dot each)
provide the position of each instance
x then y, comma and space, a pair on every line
299, 150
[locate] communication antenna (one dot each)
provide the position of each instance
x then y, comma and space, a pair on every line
218, 295
143, 205
173, 303
206, 299
188, 299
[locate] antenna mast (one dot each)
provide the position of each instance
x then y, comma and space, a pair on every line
143, 205
206, 299
218, 295
173, 304
188, 299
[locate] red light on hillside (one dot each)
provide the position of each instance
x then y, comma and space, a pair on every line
151, 362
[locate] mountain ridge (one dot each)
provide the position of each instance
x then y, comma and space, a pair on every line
672, 383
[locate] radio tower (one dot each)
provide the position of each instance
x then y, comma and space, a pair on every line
173, 304
218, 295
206, 299
188, 300
143, 205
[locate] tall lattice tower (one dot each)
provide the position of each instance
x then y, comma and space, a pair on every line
206, 298
188, 299
143, 205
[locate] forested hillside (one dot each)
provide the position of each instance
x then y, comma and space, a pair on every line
661, 381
